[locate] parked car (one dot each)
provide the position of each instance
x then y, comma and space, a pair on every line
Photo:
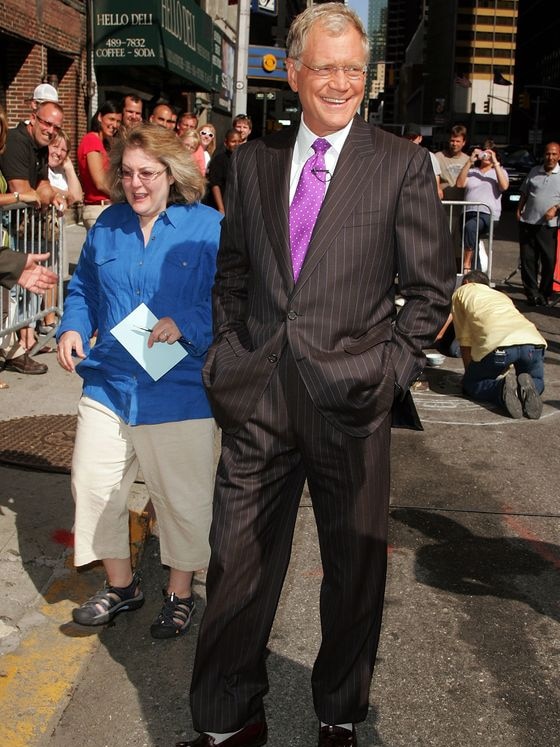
517, 161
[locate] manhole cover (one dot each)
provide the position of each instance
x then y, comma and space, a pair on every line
43, 442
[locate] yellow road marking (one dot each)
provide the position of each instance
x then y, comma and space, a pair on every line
37, 679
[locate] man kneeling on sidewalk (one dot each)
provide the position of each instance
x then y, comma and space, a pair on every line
493, 336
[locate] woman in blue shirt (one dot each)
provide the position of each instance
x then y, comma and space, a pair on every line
155, 245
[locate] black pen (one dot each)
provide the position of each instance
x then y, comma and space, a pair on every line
145, 329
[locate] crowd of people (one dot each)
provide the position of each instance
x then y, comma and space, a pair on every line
36, 169
270, 312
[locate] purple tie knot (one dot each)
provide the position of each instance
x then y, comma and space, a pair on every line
321, 145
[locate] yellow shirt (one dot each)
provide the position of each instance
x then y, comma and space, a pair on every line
485, 319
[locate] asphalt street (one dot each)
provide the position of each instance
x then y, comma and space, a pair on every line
470, 646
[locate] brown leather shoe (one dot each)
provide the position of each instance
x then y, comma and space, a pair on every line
252, 735
24, 364
336, 736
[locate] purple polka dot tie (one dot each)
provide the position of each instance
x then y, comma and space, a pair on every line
307, 203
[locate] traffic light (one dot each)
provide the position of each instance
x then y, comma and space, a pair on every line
487, 106
524, 100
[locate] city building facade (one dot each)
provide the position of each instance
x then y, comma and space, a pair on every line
454, 60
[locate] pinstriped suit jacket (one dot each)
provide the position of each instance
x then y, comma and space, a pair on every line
381, 216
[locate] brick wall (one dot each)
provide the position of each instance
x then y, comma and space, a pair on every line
37, 39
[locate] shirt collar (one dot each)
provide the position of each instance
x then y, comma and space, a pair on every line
306, 138
555, 170
167, 216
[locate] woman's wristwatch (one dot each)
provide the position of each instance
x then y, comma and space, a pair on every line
16, 196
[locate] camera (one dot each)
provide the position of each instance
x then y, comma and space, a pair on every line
484, 155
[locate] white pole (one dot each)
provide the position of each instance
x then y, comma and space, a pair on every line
243, 22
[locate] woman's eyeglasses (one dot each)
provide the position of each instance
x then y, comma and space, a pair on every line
208, 134
145, 175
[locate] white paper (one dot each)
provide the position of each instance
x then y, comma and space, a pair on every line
132, 334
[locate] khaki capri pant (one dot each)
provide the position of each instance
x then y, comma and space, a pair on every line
177, 462
91, 213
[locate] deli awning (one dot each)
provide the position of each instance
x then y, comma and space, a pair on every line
171, 35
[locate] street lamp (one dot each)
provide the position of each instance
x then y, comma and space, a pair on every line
242, 53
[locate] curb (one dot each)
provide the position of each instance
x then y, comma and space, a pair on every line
38, 678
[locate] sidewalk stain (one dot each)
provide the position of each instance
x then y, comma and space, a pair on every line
525, 532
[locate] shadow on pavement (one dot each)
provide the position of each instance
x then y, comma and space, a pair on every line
158, 674
37, 514
464, 563
499, 580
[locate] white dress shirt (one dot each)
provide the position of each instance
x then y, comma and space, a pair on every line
303, 150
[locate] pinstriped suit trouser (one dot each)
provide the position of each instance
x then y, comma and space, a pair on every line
260, 479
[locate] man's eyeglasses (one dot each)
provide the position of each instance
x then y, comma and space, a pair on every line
145, 175
352, 72
46, 123
208, 134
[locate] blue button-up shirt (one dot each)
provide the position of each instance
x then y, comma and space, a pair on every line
173, 275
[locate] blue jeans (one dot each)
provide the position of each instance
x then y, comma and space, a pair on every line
480, 381
476, 226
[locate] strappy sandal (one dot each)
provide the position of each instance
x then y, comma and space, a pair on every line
46, 329
174, 618
102, 607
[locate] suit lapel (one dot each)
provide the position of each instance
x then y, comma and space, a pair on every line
355, 169
273, 169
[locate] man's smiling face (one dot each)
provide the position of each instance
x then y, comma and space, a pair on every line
328, 104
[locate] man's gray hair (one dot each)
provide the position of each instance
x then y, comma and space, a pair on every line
335, 18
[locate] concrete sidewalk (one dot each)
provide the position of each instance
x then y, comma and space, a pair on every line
41, 653
472, 623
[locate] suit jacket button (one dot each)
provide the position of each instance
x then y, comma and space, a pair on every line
272, 358
292, 315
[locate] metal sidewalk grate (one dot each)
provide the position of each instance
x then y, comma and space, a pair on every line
42, 442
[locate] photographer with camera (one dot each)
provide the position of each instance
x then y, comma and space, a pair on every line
484, 180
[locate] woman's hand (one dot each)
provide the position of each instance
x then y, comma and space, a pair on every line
165, 330
475, 155
60, 202
69, 344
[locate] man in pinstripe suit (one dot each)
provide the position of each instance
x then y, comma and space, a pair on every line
302, 376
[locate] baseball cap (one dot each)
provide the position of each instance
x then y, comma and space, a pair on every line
45, 92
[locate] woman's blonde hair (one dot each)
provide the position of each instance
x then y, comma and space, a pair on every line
163, 145
212, 144
191, 135
62, 135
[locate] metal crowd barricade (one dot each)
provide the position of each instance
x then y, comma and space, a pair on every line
31, 231
457, 210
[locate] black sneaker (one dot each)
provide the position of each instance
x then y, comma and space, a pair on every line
174, 618
531, 401
510, 400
